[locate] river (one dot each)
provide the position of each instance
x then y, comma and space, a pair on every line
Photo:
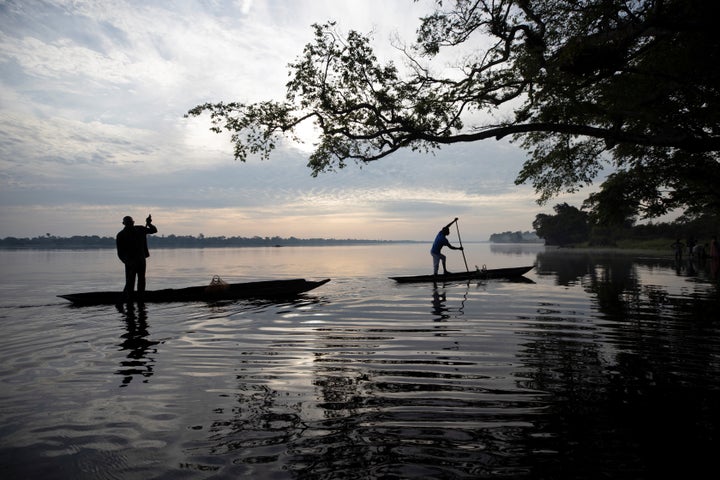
598, 365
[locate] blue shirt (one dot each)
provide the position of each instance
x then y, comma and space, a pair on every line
440, 242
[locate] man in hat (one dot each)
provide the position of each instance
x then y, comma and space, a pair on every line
132, 249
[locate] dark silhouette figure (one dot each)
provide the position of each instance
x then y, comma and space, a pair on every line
678, 248
690, 246
440, 242
133, 250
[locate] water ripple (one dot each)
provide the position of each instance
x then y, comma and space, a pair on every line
576, 375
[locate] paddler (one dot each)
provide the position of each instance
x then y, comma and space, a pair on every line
440, 242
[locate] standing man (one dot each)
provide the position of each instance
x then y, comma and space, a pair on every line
678, 247
440, 242
132, 249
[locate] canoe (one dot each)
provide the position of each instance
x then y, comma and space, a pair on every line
478, 274
270, 289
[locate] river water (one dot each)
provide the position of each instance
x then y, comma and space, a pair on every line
600, 365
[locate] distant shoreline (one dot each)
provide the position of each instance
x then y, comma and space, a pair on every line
173, 241
79, 242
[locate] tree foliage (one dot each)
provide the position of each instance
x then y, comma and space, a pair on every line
568, 226
580, 84
616, 204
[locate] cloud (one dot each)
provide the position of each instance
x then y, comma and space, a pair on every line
91, 127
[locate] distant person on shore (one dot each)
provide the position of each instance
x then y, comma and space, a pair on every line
132, 249
440, 242
678, 247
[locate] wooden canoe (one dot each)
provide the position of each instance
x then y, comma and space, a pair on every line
507, 273
269, 289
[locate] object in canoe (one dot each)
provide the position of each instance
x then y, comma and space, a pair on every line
269, 289
478, 274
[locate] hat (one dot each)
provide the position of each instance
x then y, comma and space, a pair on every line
128, 220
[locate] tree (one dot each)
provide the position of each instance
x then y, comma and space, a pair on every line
634, 84
617, 202
569, 225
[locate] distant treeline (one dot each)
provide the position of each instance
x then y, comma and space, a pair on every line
182, 241
515, 237
573, 226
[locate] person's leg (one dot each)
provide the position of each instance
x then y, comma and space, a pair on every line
130, 272
436, 263
141, 268
444, 258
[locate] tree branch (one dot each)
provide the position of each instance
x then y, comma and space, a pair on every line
685, 142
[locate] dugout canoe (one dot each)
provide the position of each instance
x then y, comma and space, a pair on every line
478, 274
269, 289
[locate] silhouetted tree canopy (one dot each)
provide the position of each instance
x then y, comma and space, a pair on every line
617, 204
580, 84
568, 226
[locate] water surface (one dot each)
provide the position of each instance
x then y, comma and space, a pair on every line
597, 366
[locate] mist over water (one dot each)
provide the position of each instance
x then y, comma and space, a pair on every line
600, 365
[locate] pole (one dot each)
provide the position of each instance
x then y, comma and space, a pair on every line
461, 245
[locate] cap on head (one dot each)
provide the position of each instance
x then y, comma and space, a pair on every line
128, 221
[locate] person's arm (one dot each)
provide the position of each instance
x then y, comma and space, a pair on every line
447, 243
120, 247
448, 225
150, 227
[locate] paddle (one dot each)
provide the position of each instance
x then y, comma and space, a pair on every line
457, 226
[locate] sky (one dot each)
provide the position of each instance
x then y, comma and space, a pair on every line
92, 128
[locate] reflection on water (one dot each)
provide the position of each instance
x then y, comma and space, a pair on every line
517, 249
606, 366
438, 303
625, 286
640, 394
140, 350
440, 307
